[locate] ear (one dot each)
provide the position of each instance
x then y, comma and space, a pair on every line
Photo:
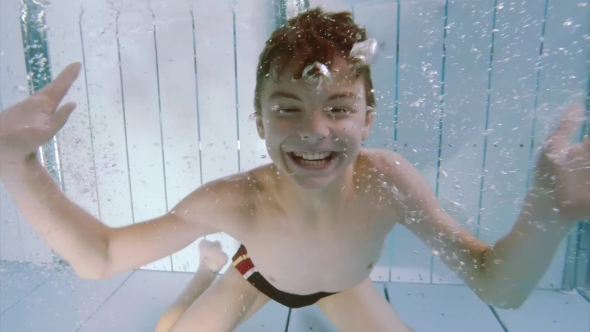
259, 125
368, 122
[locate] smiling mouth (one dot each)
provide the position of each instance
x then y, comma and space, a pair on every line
312, 160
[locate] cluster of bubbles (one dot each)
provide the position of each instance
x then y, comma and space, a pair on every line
362, 54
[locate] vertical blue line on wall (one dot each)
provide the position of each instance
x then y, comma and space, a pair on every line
584, 224
162, 145
441, 111
155, 35
282, 13
536, 103
395, 111
586, 126
124, 115
197, 98
35, 45
37, 63
90, 123
396, 91
485, 139
237, 100
38, 67
573, 260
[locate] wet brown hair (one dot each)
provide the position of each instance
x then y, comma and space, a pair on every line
311, 36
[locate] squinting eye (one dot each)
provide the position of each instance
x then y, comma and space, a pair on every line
280, 110
336, 110
287, 110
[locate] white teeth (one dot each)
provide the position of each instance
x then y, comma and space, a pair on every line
312, 156
309, 162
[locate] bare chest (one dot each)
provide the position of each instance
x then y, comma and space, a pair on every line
304, 256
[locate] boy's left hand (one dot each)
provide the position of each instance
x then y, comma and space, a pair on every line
563, 169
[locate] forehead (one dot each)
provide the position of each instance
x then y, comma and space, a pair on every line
343, 77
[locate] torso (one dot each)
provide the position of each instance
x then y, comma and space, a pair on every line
302, 256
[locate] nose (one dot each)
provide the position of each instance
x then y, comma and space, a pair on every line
314, 126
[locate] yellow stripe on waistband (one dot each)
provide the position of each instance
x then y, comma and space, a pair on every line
240, 259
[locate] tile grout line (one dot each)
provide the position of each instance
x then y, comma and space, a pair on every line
584, 295
492, 309
103, 303
495, 313
386, 291
288, 320
29, 293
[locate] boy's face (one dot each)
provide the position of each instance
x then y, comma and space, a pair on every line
313, 131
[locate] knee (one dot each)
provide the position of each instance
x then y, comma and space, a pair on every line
169, 318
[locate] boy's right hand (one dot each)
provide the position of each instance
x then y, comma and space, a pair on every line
26, 126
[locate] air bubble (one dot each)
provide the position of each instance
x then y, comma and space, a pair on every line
19, 88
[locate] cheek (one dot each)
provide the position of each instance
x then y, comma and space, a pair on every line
350, 129
277, 128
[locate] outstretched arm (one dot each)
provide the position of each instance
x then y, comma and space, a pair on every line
505, 273
93, 249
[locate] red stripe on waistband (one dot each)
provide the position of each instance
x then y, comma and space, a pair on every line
242, 261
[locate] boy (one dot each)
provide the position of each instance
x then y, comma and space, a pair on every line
313, 222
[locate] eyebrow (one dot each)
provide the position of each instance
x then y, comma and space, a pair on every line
338, 95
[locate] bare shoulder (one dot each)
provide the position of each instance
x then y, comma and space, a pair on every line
228, 202
389, 163
226, 192
380, 158
400, 175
